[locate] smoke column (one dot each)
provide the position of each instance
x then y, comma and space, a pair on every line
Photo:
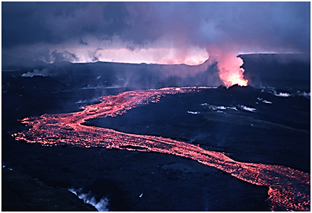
230, 72
229, 65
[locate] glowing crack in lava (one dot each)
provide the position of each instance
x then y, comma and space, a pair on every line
288, 188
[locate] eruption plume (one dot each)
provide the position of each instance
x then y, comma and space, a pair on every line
230, 71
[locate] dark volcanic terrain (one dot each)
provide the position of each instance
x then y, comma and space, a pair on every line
273, 133
248, 124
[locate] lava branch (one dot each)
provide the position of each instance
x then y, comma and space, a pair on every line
288, 188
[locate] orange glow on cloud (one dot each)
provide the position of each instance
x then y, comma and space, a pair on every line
191, 56
162, 52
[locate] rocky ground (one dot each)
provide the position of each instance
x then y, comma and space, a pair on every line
165, 182
23, 193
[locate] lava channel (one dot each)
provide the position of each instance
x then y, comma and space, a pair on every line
288, 188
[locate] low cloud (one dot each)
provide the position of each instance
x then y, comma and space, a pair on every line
153, 32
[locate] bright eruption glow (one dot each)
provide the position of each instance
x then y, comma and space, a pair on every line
231, 77
288, 188
230, 72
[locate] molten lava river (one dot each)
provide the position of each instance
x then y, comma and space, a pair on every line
288, 188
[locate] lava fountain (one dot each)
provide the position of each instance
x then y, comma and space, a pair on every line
230, 71
288, 188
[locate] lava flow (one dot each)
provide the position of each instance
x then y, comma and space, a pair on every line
288, 188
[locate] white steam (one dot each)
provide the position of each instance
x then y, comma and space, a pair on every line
282, 94
246, 108
221, 108
264, 101
102, 205
194, 113
214, 107
36, 72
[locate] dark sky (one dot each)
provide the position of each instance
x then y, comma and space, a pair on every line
161, 32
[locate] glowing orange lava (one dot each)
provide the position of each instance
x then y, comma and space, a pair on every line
288, 188
230, 78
